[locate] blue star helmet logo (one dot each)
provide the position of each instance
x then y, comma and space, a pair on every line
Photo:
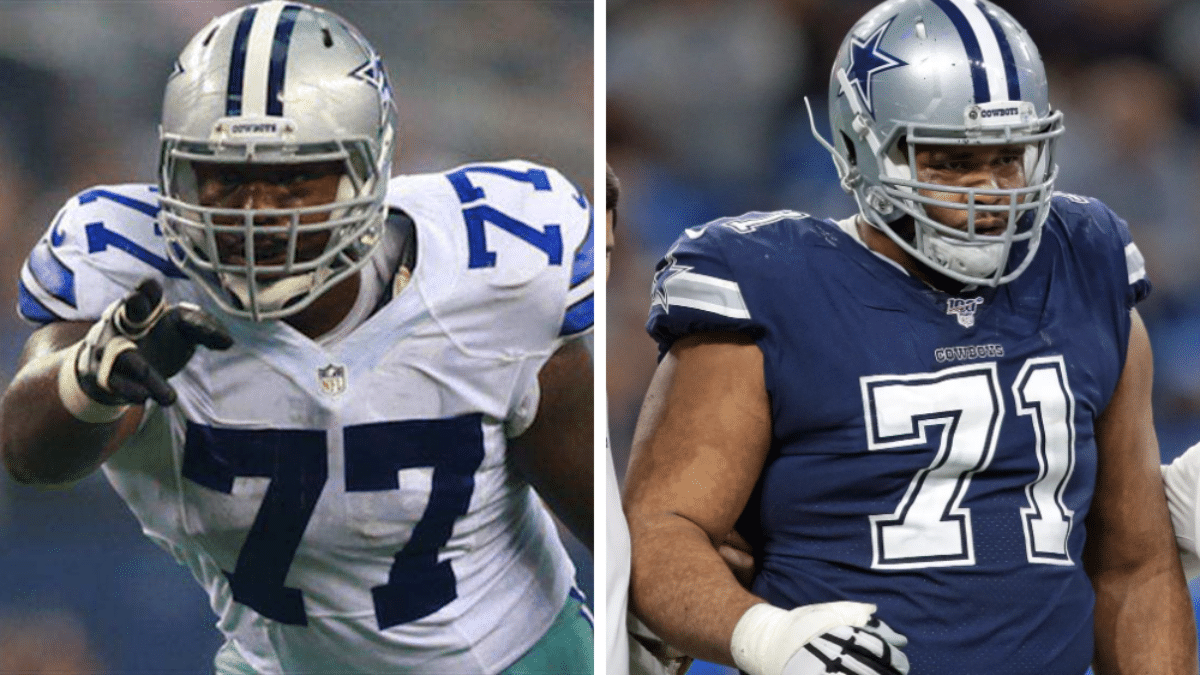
373, 73
866, 61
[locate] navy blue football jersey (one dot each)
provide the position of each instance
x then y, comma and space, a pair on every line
932, 453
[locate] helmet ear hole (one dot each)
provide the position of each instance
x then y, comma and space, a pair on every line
851, 154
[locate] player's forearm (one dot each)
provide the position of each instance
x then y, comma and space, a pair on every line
682, 589
41, 442
1144, 620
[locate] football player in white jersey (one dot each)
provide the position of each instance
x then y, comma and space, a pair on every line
390, 368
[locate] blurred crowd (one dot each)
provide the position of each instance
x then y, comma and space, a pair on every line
706, 118
80, 97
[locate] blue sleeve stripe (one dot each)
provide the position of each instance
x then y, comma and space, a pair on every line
32, 310
579, 316
51, 274
585, 256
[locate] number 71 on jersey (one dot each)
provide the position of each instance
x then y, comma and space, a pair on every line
930, 528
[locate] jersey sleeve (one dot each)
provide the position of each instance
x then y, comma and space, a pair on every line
528, 239
1181, 478
697, 290
1138, 283
101, 244
1108, 232
578, 316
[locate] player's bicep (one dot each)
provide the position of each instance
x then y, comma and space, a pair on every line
1128, 467
703, 434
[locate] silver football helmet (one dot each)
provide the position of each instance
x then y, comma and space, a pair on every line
943, 72
275, 83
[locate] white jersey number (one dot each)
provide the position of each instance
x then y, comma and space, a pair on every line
929, 528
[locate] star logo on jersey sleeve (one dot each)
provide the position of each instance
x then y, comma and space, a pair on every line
867, 60
669, 268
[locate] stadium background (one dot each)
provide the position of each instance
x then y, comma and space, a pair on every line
705, 118
81, 590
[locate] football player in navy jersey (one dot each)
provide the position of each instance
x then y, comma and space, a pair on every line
931, 419
389, 368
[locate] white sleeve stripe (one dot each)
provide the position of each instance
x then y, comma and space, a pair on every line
42, 296
710, 307
580, 292
1135, 264
709, 281
711, 294
36, 289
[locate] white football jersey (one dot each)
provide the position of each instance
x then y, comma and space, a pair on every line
347, 504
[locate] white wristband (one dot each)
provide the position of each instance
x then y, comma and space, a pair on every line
766, 637
80, 405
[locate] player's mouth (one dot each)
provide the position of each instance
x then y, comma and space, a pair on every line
989, 230
268, 250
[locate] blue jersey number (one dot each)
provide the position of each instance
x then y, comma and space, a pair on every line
548, 240
418, 585
296, 462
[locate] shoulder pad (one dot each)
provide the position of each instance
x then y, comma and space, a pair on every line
522, 234
697, 285
1098, 232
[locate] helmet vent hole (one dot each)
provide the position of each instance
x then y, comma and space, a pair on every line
327, 37
208, 38
921, 29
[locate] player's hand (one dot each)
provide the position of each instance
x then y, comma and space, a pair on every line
138, 343
831, 637
739, 556
873, 649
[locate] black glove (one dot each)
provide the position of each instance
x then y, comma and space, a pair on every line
873, 649
138, 343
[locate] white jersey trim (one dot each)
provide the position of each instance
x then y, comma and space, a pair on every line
711, 294
1135, 264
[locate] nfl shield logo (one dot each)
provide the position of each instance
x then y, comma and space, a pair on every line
332, 379
963, 309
